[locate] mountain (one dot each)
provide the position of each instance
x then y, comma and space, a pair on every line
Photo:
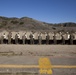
26, 23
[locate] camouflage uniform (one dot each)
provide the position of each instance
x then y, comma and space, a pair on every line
24, 38
16, 39
2, 39
47, 38
40, 38
54, 39
71, 38
9, 38
31, 39
63, 39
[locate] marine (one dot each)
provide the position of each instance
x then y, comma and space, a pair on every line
31, 38
63, 38
71, 38
9, 38
47, 38
40, 38
54, 38
24, 39
16, 39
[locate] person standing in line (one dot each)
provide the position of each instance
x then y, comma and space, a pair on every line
54, 38
47, 38
9, 38
71, 38
18, 35
40, 38
63, 38
16, 39
31, 38
2, 38
24, 38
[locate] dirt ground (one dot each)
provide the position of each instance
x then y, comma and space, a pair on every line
39, 50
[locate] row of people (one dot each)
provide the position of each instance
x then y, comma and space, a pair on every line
17, 38
32, 38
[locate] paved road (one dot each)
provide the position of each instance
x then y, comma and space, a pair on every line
61, 56
34, 60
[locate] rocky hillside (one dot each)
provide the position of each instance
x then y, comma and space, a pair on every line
26, 23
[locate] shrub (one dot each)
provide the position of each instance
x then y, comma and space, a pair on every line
21, 23
14, 22
4, 22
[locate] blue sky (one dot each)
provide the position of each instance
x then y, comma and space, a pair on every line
51, 11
